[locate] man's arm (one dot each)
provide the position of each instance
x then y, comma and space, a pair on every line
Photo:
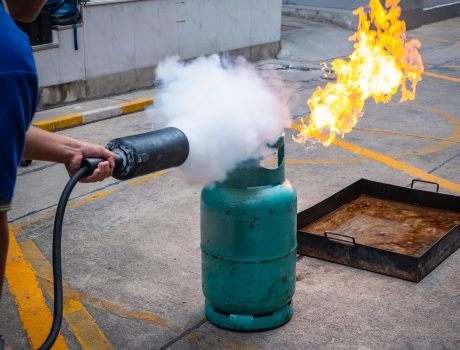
44, 145
25, 10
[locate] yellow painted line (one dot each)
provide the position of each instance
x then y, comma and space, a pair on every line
454, 137
32, 309
408, 169
44, 272
102, 304
391, 162
88, 199
440, 76
135, 106
436, 147
442, 66
78, 319
71, 205
401, 134
147, 178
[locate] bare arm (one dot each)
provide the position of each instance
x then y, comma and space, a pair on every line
25, 10
44, 145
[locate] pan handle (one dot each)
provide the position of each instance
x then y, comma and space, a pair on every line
427, 182
340, 238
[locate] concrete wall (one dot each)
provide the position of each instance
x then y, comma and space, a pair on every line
120, 42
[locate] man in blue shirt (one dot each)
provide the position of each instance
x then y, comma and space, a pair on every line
18, 100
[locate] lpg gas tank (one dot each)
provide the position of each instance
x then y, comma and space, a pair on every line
248, 245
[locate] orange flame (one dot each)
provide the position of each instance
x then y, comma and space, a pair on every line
382, 61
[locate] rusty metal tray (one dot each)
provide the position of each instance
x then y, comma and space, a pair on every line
397, 231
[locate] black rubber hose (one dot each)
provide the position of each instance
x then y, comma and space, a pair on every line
57, 270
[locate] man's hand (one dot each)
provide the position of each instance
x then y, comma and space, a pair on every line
44, 145
89, 150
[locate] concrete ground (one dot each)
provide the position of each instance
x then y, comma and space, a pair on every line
131, 250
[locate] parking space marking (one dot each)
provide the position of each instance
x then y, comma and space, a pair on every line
78, 319
440, 76
105, 305
391, 162
33, 311
74, 204
147, 178
452, 139
410, 136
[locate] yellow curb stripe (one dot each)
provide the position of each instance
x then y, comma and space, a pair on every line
440, 76
68, 121
47, 125
79, 320
32, 308
135, 106
60, 123
72, 120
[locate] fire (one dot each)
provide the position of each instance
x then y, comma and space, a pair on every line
381, 63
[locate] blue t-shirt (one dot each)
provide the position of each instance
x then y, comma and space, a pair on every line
18, 100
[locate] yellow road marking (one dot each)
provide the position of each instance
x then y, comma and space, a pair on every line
442, 66
454, 137
90, 198
413, 136
440, 76
147, 178
116, 309
391, 162
79, 320
71, 205
32, 308
408, 169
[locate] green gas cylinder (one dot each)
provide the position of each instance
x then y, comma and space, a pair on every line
248, 245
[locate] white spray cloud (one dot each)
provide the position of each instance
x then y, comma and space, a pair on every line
227, 111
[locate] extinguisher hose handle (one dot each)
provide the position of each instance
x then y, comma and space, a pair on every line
91, 163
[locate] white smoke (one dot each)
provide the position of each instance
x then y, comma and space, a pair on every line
227, 111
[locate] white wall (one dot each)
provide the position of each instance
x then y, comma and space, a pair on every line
118, 36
